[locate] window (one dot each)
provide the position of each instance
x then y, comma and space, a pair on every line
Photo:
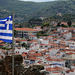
45, 46
40, 46
72, 46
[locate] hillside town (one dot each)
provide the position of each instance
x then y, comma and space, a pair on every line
56, 52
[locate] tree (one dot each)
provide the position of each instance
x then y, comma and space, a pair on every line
45, 24
24, 45
15, 32
4, 48
41, 33
64, 25
69, 23
20, 26
58, 25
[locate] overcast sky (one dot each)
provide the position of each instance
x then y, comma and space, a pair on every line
38, 0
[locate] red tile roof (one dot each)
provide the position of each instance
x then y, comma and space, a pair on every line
54, 69
33, 58
35, 54
1, 41
32, 51
27, 29
32, 36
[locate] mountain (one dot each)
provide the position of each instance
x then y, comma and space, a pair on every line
26, 10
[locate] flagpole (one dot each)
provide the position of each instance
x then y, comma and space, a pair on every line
13, 45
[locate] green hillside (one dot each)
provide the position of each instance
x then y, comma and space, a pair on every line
26, 10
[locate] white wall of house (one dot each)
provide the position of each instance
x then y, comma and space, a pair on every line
40, 41
45, 41
50, 38
60, 30
59, 56
74, 30
59, 62
68, 42
68, 36
42, 37
21, 50
32, 38
45, 47
27, 32
34, 47
53, 52
72, 46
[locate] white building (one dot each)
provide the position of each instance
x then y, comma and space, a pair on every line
24, 32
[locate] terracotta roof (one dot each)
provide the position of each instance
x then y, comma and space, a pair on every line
33, 58
65, 32
27, 29
33, 41
65, 23
32, 51
58, 54
54, 69
39, 62
37, 26
32, 36
0, 56
2, 44
24, 55
48, 58
35, 54
50, 69
44, 51
42, 44
1, 41
70, 53
20, 40
46, 55
45, 39
49, 36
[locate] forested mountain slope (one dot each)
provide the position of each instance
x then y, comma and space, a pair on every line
26, 10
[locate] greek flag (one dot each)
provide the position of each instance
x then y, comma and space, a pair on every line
6, 29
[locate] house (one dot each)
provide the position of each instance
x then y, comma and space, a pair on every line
42, 37
37, 27
2, 43
32, 51
45, 46
34, 47
67, 35
53, 51
24, 32
72, 45
46, 41
49, 37
54, 70
21, 41
32, 60
32, 37
20, 50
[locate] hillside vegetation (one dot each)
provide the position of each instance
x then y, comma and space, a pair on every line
26, 10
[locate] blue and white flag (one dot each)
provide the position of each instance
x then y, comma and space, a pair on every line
6, 29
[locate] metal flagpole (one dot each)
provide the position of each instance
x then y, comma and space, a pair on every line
13, 46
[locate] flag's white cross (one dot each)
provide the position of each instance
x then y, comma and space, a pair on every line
8, 22
3, 25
